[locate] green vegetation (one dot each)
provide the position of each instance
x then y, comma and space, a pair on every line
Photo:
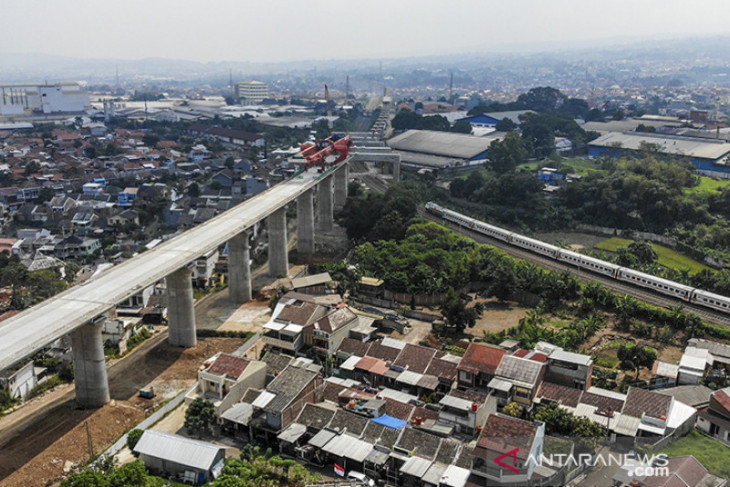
263, 470
142, 335
27, 288
559, 421
666, 257
711, 453
107, 474
458, 316
707, 186
133, 438
200, 417
606, 361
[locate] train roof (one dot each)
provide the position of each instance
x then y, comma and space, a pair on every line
677, 285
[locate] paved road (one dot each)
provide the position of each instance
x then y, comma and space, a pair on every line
34, 328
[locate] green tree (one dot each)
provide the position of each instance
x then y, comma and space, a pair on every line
506, 154
458, 316
45, 194
150, 140
461, 127
633, 357
194, 190
543, 99
505, 125
133, 437
513, 409
200, 418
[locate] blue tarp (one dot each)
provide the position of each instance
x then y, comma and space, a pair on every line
390, 422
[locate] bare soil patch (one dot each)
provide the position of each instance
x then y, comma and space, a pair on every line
34, 453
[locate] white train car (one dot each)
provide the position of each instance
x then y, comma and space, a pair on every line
711, 300
590, 263
534, 245
658, 284
492, 231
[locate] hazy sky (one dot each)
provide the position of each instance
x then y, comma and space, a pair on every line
286, 30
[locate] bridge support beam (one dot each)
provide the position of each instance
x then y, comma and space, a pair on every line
305, 223
239, 269
278, 244
92, 386
325, 209
180, 311
396, 171
341, 177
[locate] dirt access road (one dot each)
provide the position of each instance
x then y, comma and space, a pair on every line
37, 442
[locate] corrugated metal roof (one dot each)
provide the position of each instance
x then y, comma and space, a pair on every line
455, 476
393, 343
570, 357
416, 466
350, 363
240, 413
292, 433
499, 384
443, 143
626, 425
348, 446
434, 473
264, 398
322, 438
313, 280
681, 146
456, 403
409, 378
197, 454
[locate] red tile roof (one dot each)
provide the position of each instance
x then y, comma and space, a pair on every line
415, 358
442, 368
722, 397
567, 396
481, 358
502, 434
640, 402
398, 409
229, 365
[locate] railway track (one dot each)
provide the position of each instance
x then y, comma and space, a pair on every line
641, 294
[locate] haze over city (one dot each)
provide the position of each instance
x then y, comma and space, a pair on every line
290, 30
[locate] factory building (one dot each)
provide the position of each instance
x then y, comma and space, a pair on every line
26, 99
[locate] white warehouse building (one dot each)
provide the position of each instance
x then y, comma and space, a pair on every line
22, 99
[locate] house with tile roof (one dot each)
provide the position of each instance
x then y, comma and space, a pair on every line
648, 416
478, 365
517, 379
512, 442
224, 379
715, 419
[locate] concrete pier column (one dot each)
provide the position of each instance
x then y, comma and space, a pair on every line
180, 311
305, 223
396, 170
341, 177
239, 268
92, 386
325, 209
278, 251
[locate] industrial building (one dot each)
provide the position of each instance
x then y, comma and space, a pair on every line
251, 92
26, 99
441, 150
493, 118
709, 156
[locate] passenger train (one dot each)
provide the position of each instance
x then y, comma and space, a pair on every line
663, 286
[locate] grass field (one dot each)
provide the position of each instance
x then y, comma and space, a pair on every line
580, 166
667, 257
707, 185
711, 453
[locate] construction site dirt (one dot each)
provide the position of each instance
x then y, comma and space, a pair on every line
43, 441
